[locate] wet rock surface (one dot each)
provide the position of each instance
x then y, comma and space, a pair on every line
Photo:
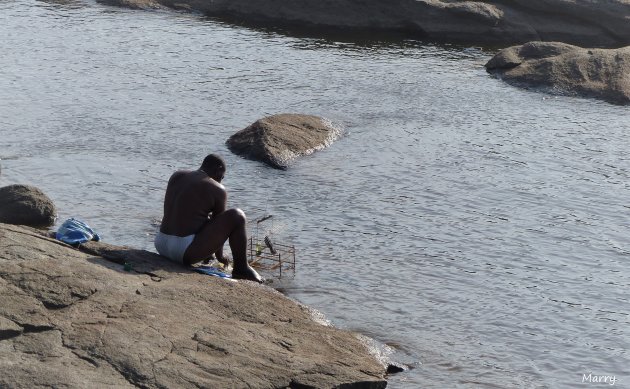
565, 69
72, 318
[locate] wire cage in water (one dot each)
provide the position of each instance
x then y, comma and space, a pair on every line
266, 253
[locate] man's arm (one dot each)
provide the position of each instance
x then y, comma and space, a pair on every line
220, 204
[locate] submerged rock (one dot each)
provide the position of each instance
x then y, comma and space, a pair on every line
279, 139
26, 205
565, 69
72, 318
395, 368
584, 22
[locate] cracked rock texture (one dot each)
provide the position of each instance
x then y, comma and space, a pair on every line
565, 69
75, 319
582, 22
279, 139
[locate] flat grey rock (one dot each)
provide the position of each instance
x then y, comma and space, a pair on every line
76, 319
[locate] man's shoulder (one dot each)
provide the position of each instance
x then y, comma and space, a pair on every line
196, 181
214, 186
179, 174
207, 183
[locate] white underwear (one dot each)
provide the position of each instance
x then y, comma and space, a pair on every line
171, 246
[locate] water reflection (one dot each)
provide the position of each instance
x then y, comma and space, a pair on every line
70, 4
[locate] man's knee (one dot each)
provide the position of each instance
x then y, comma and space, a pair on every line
238, 215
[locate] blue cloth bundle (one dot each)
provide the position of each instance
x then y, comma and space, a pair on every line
74, 232
211, 271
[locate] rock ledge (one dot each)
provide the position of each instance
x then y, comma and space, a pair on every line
73, 319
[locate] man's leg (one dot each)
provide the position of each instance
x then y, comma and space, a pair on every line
231, 225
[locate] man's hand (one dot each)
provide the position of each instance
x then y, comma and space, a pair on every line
224, 260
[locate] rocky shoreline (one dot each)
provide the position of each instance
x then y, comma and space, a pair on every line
495, 22
109, 316
77, 318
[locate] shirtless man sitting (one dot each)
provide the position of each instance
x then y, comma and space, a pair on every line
196, 224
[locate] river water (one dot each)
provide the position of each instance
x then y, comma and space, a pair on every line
478, 230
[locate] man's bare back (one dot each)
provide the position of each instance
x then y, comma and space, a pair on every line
191, 198
196, 223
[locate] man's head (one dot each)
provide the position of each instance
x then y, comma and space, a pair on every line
214, 166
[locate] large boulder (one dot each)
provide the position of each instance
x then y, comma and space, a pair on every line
565, 69
26, 205
279, 139
77, 319
583, 22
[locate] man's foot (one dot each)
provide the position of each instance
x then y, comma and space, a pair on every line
247, 274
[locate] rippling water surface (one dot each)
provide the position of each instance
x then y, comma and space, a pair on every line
479, 230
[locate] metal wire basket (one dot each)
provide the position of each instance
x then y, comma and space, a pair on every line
266, 253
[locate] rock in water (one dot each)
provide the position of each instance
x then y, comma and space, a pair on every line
279, 139
565, 69
26, 205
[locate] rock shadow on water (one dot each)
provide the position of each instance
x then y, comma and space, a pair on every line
313, 37
319, 36
70, 4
